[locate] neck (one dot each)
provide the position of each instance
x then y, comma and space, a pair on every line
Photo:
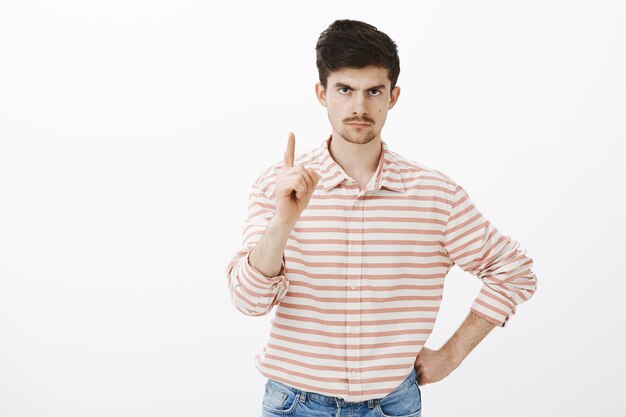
357, 160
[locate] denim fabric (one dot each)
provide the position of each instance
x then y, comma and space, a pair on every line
283, 400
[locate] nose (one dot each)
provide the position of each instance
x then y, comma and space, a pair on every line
358, 105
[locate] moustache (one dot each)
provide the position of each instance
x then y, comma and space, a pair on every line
364, 120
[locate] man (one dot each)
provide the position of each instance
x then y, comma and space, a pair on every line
351, 242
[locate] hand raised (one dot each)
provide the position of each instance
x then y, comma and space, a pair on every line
294, 185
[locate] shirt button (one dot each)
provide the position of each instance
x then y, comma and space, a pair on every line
353, 287
354, 373
353, 330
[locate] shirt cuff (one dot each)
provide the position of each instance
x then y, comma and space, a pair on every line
278, 285
493, 306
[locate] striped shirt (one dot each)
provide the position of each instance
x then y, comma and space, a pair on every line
363, 272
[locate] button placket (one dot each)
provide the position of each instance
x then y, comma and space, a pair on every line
354, 293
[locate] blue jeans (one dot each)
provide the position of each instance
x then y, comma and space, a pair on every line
283, 400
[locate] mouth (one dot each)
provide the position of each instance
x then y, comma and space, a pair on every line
359, 124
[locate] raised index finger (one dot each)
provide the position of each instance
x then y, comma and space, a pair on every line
290, 152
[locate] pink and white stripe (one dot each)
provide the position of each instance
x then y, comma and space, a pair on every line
363, 274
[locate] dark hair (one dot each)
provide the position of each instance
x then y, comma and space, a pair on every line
355, 44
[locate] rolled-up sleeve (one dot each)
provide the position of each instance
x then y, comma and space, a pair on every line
252, 292
477, 247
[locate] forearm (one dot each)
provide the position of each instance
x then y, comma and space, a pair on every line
470, 333
268, 253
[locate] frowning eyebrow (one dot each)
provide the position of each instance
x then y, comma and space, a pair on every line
376, 87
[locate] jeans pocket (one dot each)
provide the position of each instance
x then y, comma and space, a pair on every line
279, 401
404, 403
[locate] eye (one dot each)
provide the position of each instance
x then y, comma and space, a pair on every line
375, 92
344, 88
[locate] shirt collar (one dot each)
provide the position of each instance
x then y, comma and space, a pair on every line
387, 174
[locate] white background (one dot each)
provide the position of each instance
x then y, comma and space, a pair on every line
131, 131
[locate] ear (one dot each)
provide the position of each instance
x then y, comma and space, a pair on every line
395, 93
320, 92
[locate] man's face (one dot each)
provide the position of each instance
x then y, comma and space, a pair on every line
357, 101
